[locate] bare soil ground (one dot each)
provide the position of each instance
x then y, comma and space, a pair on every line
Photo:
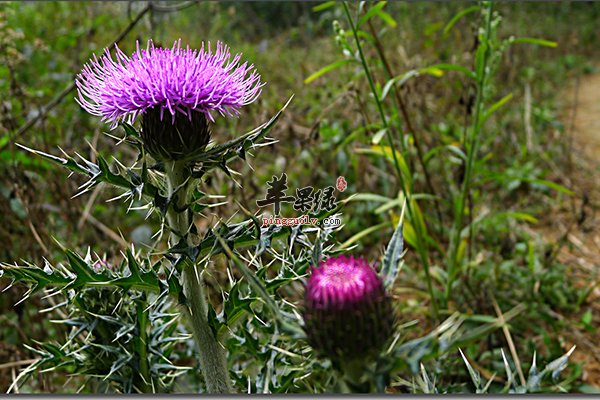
577, 223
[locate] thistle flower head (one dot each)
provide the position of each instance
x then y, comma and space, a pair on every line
340, 282
347, 313
177, 88
175, 80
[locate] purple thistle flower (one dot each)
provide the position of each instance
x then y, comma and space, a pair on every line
175, 80
187, 84
347, 313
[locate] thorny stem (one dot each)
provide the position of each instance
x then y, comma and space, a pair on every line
472, 149
142, 342
407, 196
212, 355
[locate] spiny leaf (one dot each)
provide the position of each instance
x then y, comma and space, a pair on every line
220, 155
235, 307
475, 377
83, 276
100, 173
80, 268
34, 275
67, 163
255, 283
393, 255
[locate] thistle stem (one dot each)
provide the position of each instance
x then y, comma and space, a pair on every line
212, 355
142, 345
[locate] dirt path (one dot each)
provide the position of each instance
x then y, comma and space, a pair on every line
582, 249
587, 116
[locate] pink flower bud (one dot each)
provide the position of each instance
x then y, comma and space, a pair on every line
347, 314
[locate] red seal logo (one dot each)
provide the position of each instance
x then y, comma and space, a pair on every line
341, 184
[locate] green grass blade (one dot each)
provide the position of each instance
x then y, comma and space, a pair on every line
327, 69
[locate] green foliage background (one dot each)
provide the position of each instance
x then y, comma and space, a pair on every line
327, 131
